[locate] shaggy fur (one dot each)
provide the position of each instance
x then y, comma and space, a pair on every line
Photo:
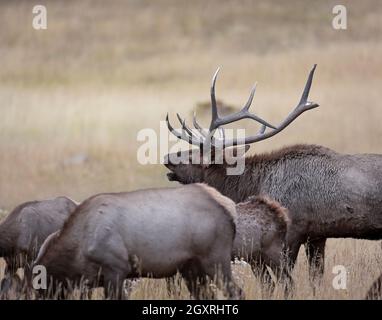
327, 194
262, 226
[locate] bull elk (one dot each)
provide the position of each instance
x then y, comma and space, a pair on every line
328, 194
147, 233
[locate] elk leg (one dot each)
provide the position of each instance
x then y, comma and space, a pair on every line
375, 292
291, 250
86, 289
173, 285
197, 285
229, 285
195, 278
113, 284
10, 265
170, 284
315, 251
284, 276
224, 280
28, 275
281, 268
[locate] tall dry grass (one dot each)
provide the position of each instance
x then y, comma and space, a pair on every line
100, 73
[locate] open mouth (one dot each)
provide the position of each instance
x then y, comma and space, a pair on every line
171, 176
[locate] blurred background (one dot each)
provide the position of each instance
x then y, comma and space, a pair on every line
74, 96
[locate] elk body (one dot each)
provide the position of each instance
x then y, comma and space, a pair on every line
327, 194
261, 228
148, 233
23, 231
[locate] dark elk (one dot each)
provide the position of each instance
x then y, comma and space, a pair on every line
328, 194
148, 233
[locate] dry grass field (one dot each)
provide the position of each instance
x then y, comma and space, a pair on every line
74, 96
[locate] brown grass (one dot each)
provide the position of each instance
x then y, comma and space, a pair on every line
101, 73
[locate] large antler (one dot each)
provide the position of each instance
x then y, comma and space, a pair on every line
207, 137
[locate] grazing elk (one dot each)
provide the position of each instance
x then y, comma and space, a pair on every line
327, 194
147, 233
261, 229
23, 231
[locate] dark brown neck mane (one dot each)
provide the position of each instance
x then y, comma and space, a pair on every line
257, 167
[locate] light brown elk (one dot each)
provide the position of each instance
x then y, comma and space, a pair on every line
23, 231
327, 194
147, 233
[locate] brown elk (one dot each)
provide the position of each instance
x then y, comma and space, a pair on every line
327, 194
147, 233
261, 230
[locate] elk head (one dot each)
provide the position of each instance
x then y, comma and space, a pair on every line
212, 152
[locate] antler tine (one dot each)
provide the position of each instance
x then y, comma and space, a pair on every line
214, 110
182, 136
305, 93
302, 106
189, 130
184, 126
242, 114
250, 98
198, 126
205, 136
171, 129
